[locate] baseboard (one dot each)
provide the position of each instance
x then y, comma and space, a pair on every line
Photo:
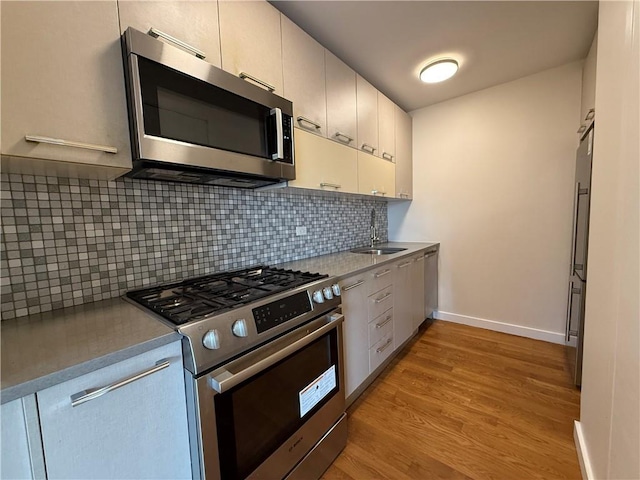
581, 448
519, 330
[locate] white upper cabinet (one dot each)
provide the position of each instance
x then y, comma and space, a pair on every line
194, 23
367, 98
304, 83
386, 128
404, 159
63, 88
251, 42
376, 176
342, 110
324, 165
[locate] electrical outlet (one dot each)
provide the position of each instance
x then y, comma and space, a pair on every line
301, 231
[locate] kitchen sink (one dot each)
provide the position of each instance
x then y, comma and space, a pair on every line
378, 250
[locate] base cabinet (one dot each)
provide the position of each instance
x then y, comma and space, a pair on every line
138, 430
21, 444
430, 282
355, 330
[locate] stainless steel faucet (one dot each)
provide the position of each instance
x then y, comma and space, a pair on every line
374, 229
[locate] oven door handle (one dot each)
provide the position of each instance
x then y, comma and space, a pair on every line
222, 380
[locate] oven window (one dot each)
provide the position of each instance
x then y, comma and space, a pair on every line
257, 416
179, 107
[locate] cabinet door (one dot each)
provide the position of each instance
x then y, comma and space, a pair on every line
376, 176
367, 99
386, 128
418, 297
304, 82
251, 41
404, 159
403, 310
21, 448
324, 165
62, 78
341, 101
136, 431
431, 283
195, 23
356, 332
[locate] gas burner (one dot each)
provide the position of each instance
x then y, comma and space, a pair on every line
200, 297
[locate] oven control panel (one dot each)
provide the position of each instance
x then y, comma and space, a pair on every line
276, 313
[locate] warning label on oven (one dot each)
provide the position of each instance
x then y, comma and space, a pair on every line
317, 390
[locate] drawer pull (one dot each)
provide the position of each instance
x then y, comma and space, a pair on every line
387, 156
386, 320
385, 346
430, 254
154, 32
68, 143
357, 284
93, 393
340, 135
383, 298
406, 264
246, 76
381, 274
332, 185
419, 259
368, 148
302, 120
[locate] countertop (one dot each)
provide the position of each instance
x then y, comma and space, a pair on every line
42, 350
346, 264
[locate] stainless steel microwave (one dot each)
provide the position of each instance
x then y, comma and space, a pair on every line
193, 122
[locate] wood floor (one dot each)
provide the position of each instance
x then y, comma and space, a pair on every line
461, 402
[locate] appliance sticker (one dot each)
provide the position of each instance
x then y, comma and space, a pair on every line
317, 390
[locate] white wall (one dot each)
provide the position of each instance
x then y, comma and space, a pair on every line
493, 182
610, 400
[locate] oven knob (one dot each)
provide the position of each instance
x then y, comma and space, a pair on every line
211, 340
317, 297
328, 294
239, 328
336, 289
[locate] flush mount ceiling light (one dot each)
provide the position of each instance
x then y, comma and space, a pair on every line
439, 71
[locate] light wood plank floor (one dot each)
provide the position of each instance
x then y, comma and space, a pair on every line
461, 402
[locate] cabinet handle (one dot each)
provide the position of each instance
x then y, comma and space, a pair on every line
419, 259
357, 284
402, 265
383, 298
582, 128
67, 143
154, 32
302, 120
385, 346
246, 76
590, 114
430, 254
404, 195
381, 274
93, 393
368, 148
340, 135
387, 156
386, 320
332, 185
376, 192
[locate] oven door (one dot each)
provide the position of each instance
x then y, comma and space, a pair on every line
261, 414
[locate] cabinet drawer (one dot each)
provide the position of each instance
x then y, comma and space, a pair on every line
380, 351
380, 327
380, 302
380, 278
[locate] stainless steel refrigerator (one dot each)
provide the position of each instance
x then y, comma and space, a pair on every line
579, 248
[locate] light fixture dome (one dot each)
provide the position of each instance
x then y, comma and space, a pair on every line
439, 70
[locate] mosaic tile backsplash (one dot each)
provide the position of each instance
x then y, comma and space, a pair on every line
67, 241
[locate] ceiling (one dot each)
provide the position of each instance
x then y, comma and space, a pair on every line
388, 42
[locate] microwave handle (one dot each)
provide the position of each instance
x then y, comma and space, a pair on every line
279, 154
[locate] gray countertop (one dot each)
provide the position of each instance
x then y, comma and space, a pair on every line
346, 264
42, 350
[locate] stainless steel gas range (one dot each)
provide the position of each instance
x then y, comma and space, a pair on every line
263, 369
